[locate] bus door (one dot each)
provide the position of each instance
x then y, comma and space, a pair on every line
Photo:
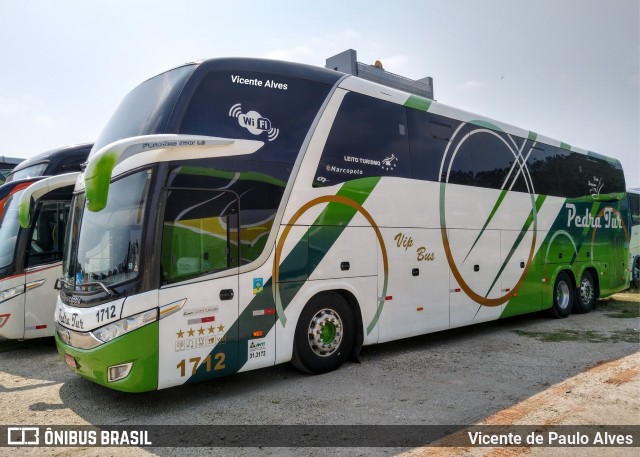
618, 270
476, 260
43, 265
12, 307
199, 268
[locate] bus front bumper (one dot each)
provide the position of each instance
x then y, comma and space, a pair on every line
134, 355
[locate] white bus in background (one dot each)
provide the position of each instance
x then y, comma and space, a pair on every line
31, 256
633, 196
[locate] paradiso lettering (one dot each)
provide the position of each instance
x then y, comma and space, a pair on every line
609, 219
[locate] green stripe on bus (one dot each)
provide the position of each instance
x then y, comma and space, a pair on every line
493, 212
532, 215
335, 217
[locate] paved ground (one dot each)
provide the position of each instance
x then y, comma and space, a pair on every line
523, 370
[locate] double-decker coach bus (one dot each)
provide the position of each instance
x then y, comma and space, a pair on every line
67, 159
6, 165
239, 213
31, 252
31, 256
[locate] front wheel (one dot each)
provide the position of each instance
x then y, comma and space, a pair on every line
586, 294
562, 296
324, 334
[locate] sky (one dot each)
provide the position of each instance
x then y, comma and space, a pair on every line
566, 69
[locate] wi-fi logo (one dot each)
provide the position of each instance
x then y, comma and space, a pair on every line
236, 110
273, 134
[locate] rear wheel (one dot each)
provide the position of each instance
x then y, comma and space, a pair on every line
586, 294
562, 296
324, 334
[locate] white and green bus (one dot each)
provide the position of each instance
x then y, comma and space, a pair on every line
239, 213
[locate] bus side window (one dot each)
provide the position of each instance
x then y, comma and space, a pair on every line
200, 233
493, 159
47, 233
429, 135
368, 139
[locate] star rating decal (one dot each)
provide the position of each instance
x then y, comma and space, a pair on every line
201, 331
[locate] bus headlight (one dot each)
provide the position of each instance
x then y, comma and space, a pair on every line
126, 325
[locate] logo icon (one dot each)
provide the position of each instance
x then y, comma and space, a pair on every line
254, 122
595, 186
21, 436
389, 163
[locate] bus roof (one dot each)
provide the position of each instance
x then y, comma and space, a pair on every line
4, 160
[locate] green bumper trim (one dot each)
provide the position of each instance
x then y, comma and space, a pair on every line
140, 347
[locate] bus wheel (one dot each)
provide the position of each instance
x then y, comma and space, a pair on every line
562, 296
324, 334
635, 274
586, 294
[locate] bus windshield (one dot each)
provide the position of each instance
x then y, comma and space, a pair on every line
103, 248
9, 228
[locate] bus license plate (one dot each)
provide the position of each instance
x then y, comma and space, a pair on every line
71, 361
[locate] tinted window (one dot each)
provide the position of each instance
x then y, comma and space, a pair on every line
69, 165
274, 109
458, 164
537, 166
557, 164
146, 109
634, 208
602, 177
429, 135
368, 138
493, 158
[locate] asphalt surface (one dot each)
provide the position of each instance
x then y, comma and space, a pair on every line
454, 377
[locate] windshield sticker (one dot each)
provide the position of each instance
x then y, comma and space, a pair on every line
254, 122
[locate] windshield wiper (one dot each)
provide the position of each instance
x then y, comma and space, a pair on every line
111, 292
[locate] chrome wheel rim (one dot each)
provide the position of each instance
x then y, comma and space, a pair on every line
586, 291
562, 295
325, 332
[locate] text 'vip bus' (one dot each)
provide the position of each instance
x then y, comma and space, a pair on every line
238, 213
